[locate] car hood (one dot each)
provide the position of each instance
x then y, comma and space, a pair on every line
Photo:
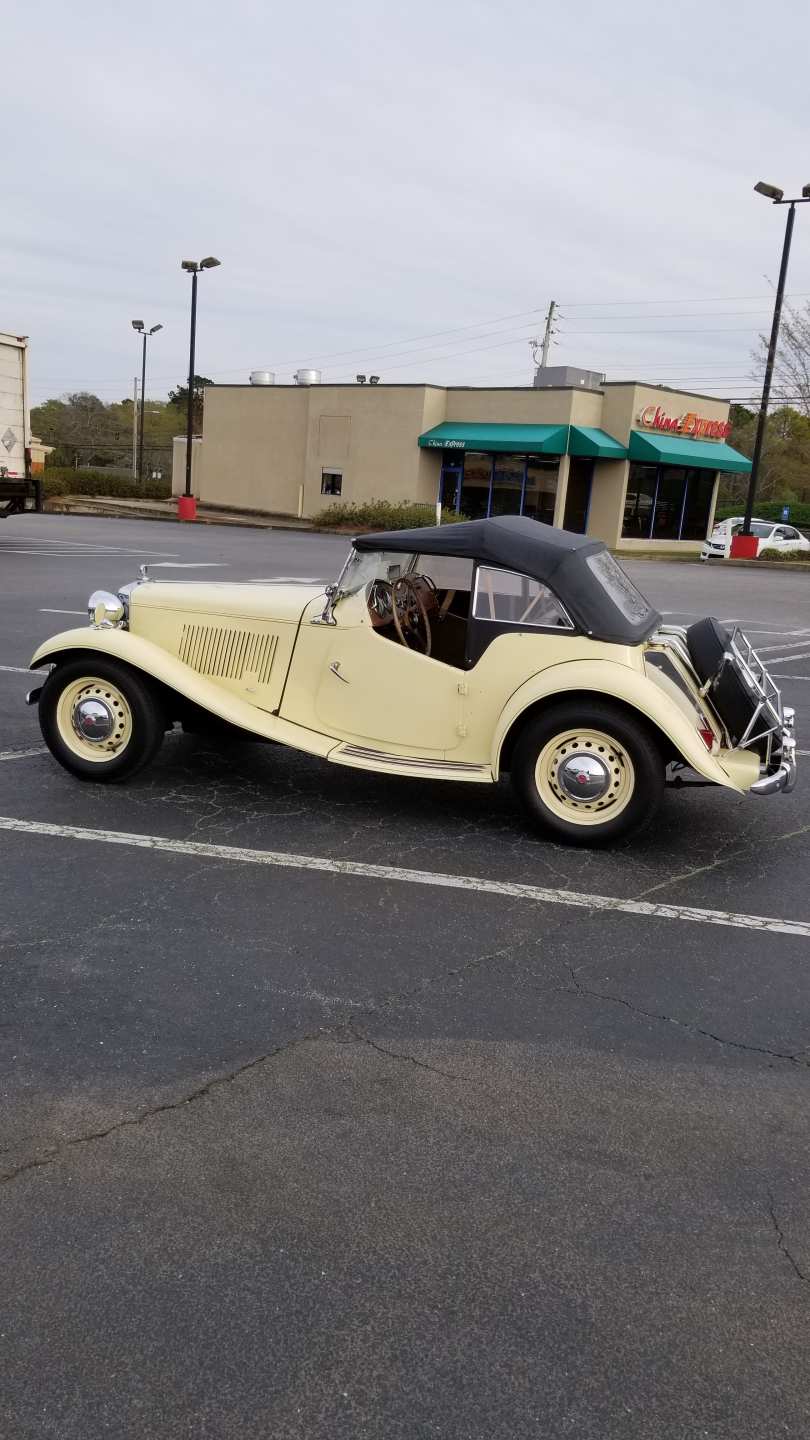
283, 602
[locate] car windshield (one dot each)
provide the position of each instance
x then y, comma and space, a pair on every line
761, 531
363, 566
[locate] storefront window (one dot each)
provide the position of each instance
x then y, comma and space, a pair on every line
507, 484
699, 490
668, 503
541, 488
578, 495
475, 485
639, 501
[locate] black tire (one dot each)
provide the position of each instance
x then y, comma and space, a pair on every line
634, 759
708, 642
131, 701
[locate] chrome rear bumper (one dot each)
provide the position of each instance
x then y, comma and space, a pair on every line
784, 776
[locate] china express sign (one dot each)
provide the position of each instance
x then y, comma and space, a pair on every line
692, 425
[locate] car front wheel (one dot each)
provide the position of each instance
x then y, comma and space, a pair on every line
588, 772
100, 719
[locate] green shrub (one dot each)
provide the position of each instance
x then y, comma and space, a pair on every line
380, 515
803, 556
64, 480
770, 510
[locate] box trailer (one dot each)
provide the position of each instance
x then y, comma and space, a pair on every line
19, 489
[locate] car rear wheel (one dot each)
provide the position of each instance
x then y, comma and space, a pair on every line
100, 719
588, 772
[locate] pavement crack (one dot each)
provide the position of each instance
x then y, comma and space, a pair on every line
578, 989
781, 1243
405, 1059
130, 1122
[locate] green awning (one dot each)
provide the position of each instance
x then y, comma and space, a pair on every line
515, 439
676, 450
596, 444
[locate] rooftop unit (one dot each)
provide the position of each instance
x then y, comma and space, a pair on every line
555, 377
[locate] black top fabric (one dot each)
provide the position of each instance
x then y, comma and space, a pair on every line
556, 557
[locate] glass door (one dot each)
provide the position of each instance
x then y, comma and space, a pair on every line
450, 483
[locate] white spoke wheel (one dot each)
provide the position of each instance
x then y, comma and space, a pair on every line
588, 771
100, 719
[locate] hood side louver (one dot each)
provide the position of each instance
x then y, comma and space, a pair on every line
226, 652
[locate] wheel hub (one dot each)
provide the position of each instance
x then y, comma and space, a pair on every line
93, 720
584, 777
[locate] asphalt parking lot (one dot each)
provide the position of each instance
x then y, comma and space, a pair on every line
322, 1152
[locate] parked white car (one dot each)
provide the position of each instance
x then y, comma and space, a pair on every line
771, 536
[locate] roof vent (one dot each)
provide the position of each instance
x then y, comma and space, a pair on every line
262, 377
307, 377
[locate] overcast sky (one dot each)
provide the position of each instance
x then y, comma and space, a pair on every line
371, 175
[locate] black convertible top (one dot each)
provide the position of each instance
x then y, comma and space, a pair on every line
599, 597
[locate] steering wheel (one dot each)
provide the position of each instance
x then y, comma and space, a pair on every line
410, 615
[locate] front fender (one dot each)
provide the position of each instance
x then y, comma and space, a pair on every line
735, 769
144, 655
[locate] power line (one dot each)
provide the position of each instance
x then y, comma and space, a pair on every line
699, 300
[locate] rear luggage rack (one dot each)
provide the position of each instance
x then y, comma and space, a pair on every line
768, 716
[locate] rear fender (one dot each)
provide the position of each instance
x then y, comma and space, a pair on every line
150, 659
737, 770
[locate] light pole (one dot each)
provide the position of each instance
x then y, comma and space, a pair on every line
187, 511
777, 197
139, 326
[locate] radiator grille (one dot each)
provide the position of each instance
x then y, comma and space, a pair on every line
228, 653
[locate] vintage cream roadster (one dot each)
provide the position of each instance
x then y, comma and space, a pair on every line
457, 652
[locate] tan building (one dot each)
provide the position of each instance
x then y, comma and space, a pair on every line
635, 465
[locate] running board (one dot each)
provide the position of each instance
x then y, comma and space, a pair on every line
364, 757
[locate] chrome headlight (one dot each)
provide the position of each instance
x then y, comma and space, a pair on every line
106, 611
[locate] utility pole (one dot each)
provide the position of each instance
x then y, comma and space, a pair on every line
552, 306
135, 429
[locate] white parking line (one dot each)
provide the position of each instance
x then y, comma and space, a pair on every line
95, 545
776, 675
535, 894
783, 645
16, 669
189, 564
23, 754
777, 659
46, 610
74, 554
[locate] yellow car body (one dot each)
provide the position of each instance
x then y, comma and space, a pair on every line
314, 670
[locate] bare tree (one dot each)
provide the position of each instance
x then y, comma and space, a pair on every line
791, 375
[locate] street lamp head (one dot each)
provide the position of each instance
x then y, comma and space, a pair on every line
155, 329
190, 265
137, 324
209, 262
806, 192
771, 192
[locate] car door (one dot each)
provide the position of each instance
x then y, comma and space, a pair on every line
792, 540
373, 689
